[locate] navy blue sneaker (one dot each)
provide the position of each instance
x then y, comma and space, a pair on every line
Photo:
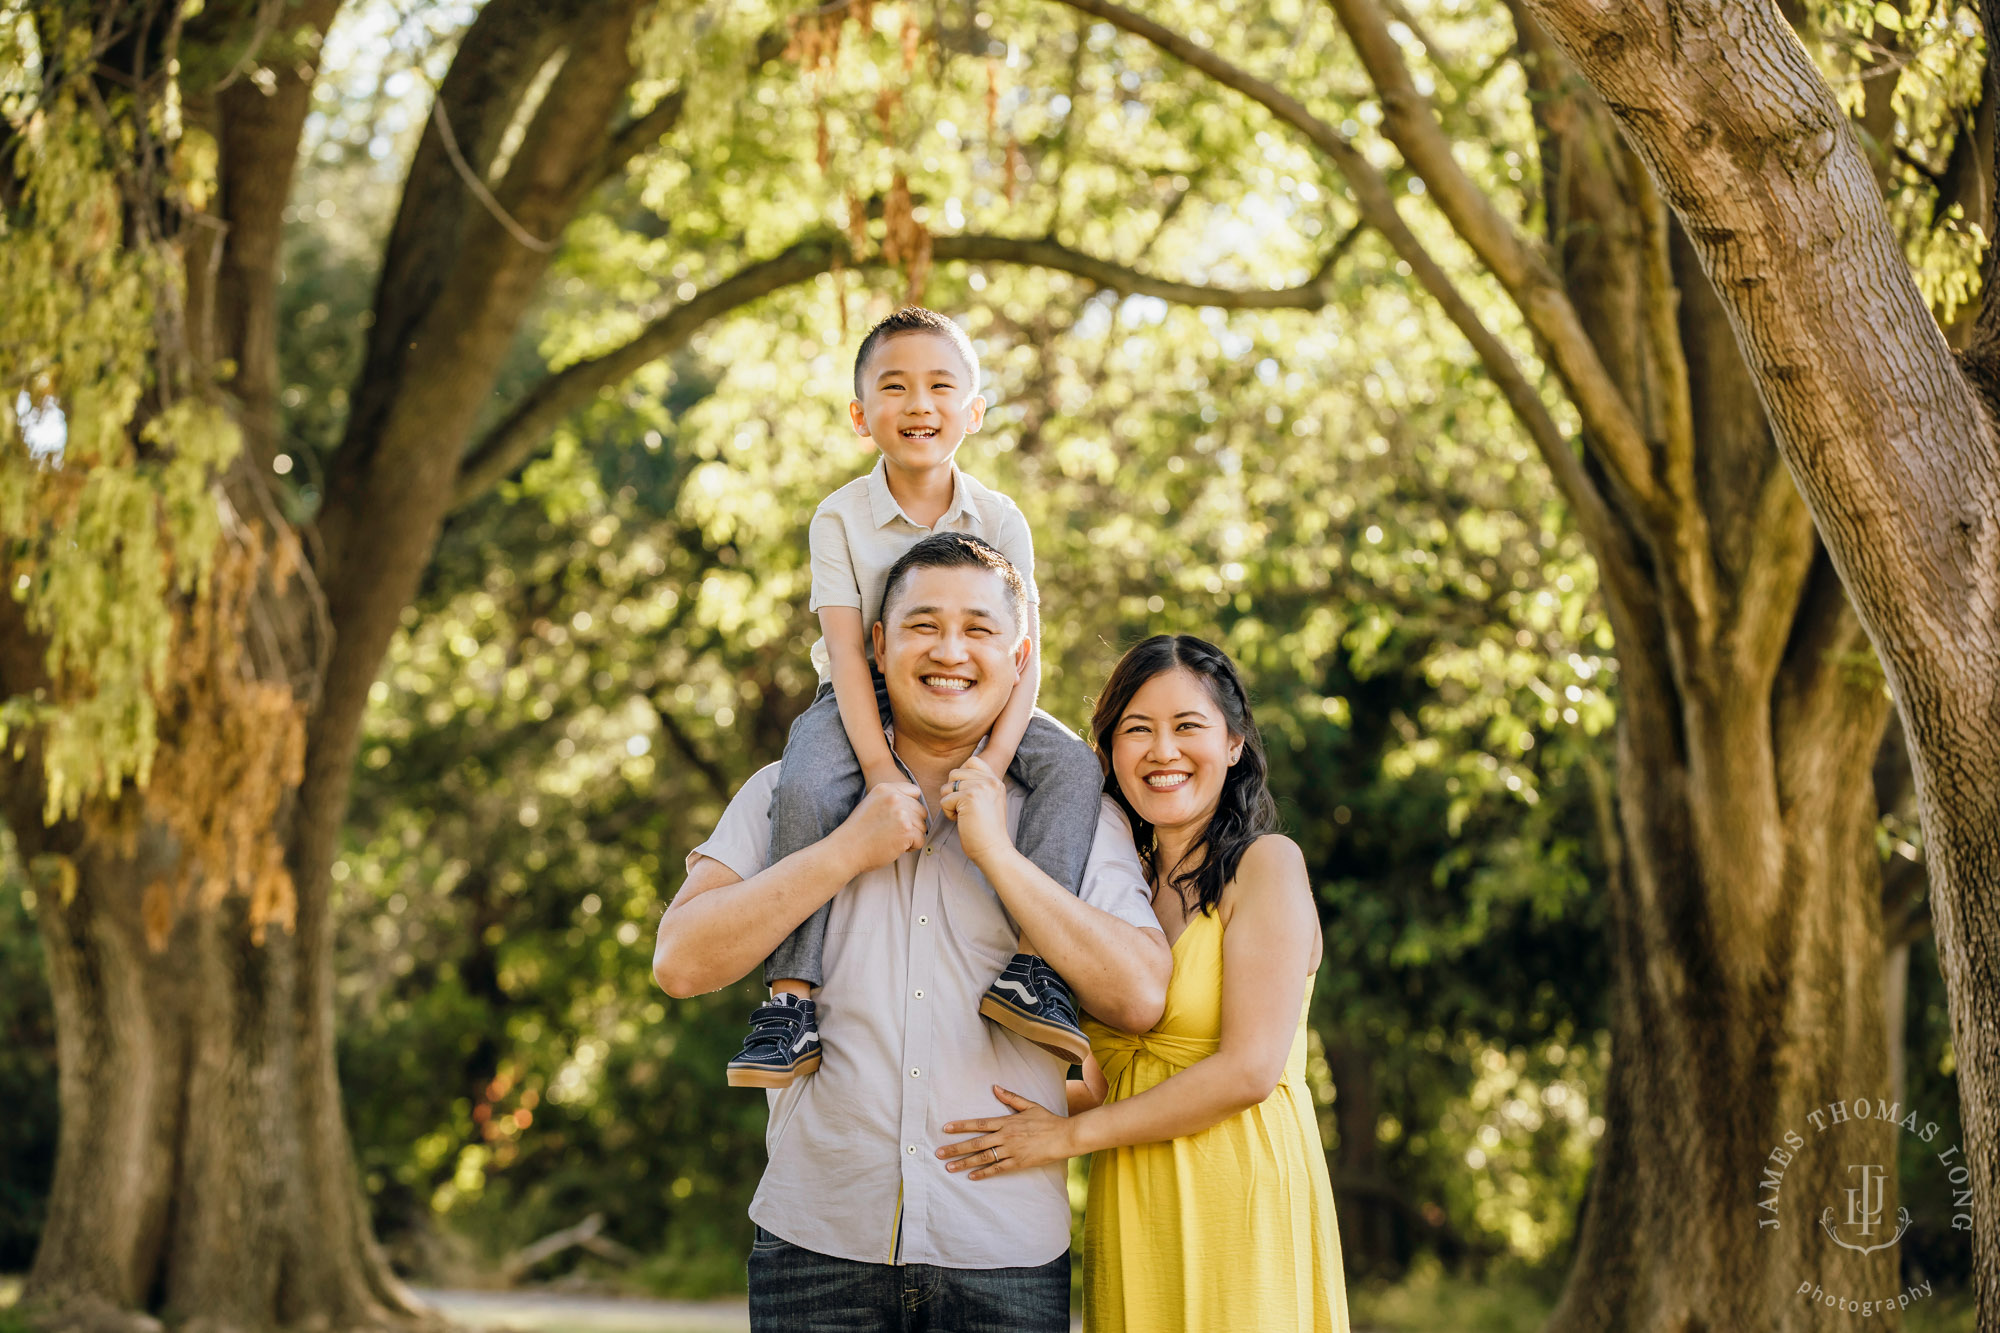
783, 1045
1029, 998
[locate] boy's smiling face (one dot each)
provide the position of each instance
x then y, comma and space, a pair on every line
918, 401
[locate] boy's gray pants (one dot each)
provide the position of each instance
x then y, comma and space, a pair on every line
820, 784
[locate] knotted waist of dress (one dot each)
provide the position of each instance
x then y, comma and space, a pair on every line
1116, 1051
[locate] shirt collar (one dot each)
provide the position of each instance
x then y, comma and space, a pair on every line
889, 735
882, 506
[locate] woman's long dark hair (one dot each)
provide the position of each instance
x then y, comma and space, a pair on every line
1245, 811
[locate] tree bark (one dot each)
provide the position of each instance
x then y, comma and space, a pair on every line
1746, 923
204, 1167
1890, 443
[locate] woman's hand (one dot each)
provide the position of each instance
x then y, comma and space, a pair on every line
975, 796
1032, 1136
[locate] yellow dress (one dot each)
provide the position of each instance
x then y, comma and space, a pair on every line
1227, 1231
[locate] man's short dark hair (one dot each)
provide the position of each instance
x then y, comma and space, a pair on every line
958, 550
916, 319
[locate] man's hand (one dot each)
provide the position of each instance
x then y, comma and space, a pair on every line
976, 797
889, 821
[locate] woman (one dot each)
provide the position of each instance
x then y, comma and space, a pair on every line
1210, 1207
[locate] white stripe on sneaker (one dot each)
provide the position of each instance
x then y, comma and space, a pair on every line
1028, 997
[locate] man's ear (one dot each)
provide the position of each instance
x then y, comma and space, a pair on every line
881, 640
859, 416
1022, 650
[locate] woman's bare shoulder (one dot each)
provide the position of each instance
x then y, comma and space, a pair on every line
1271, 865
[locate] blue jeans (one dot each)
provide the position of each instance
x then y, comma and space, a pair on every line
797, 1291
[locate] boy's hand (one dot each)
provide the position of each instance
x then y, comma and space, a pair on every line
885, 776
889, 821
975, 796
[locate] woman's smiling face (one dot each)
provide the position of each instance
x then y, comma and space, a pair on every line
1172, 751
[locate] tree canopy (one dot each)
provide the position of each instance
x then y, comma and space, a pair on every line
1263, 367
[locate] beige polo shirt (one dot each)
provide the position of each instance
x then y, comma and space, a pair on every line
910, 948
860, 530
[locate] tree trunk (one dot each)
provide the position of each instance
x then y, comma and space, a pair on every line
1889, 441
204, 1166
1374, 1236
1723, 1040
1746, 925
188, 1179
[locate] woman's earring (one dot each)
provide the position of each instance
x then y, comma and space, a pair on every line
1234, 755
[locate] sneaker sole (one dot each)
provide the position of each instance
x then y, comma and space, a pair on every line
1066, 1043
761, 1076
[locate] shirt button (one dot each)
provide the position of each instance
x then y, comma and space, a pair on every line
915, 1073
920, 995
911, 1149
923, 921
929, 850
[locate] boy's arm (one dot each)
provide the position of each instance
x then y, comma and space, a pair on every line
854, 691
1012, 724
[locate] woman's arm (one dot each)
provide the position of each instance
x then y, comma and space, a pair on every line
1267, 952
854, 691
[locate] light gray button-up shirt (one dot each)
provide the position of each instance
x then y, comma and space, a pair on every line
910, 949
860, 530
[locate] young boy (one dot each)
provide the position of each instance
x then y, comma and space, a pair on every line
916, 381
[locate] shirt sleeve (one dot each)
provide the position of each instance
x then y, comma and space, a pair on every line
742, 838
834, 581
1112, 879
1018, 545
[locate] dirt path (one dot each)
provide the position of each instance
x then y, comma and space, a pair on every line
546, 1312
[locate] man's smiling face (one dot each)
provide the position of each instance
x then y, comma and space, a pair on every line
950, 651
918, 401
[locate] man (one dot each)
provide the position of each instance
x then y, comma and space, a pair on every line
859, 1225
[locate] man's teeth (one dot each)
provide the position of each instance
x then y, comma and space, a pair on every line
947, 683
1165, 781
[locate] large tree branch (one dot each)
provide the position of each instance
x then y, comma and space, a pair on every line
1620, 563
1511, 256
527, 427
1885, 437
638, 135
434, 255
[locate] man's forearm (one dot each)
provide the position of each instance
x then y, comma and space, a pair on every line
713, 938
1119, 972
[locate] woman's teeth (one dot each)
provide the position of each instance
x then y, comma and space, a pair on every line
947, 683
1165, 781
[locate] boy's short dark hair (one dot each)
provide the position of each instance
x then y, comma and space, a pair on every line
915, 319
958, 550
